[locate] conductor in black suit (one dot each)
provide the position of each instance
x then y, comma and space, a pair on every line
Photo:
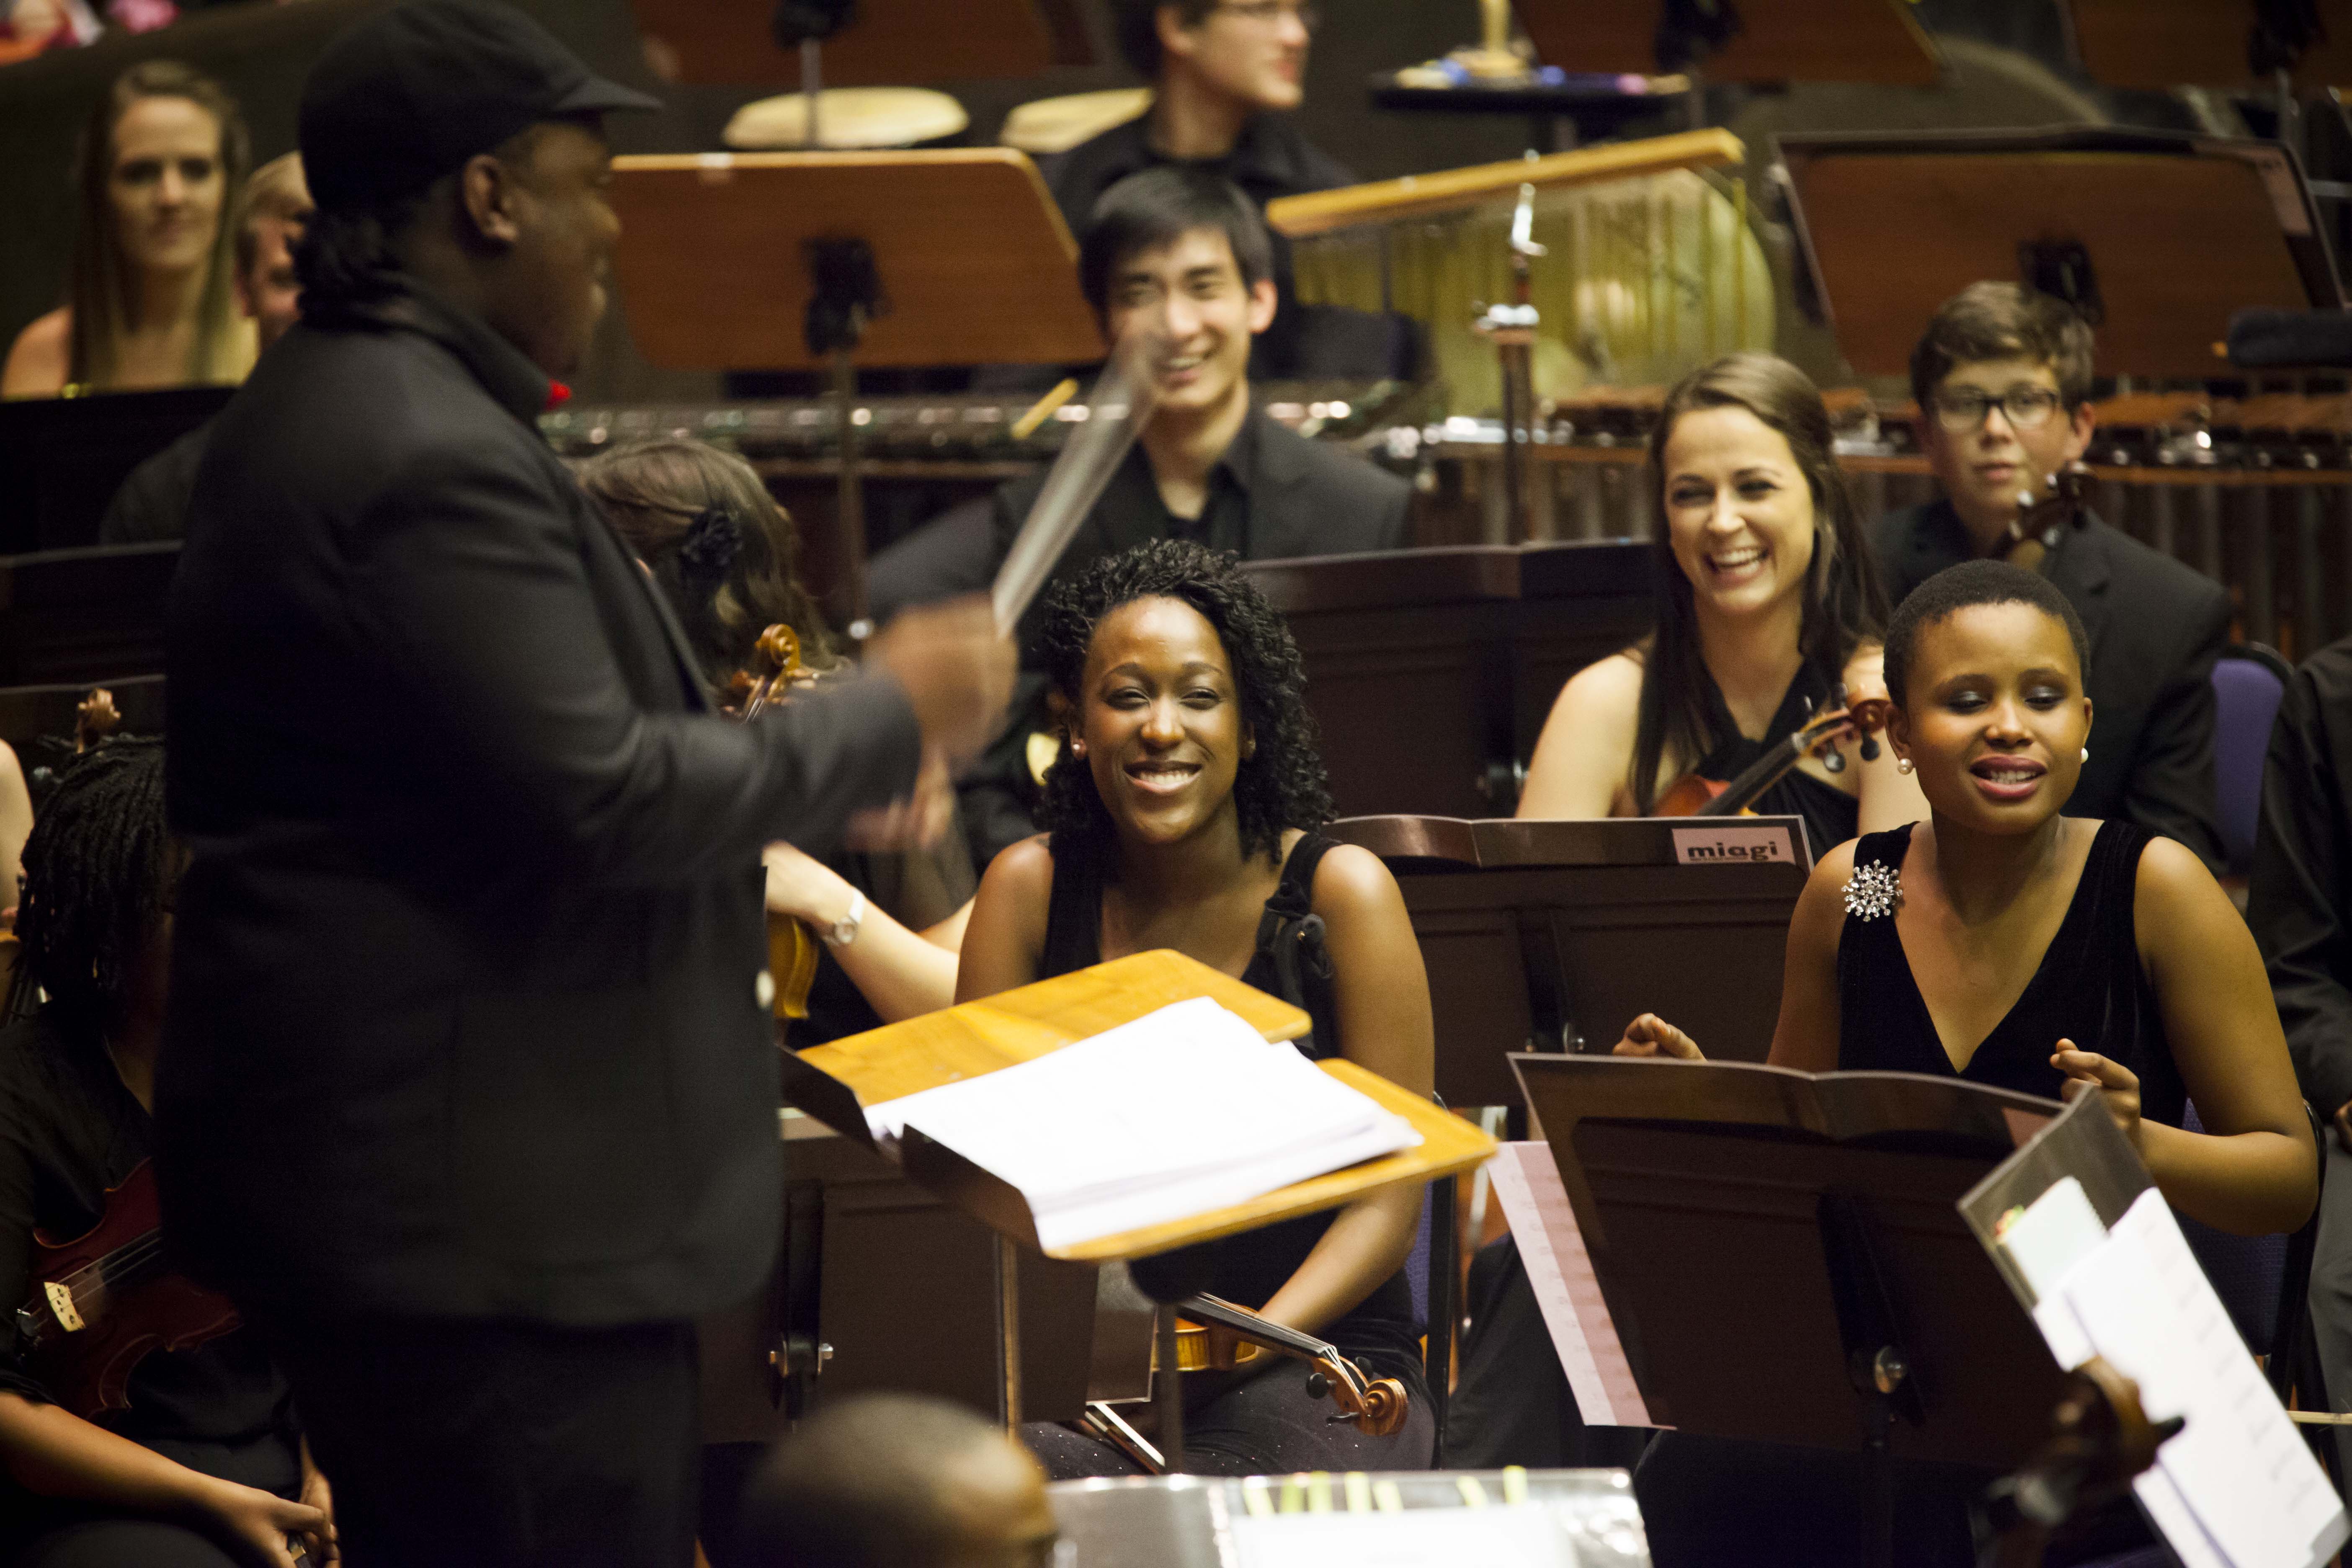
2003, 382
1181, 250
471, 1087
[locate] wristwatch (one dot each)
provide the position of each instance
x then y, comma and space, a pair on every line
844, 931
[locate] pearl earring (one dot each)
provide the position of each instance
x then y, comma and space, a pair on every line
1902, 765
1078, 748
2086, 753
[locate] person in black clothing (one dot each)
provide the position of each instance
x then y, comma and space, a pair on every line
2021, 948
1184, 811
1224, 76
206, 1467
1182, 247
2296, 905
153, 502
1767, 604
2002, 377
468, 1092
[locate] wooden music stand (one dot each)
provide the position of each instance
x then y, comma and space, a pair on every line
892, 43
835, 1082
1555, 935
1783, 1257
2159, 45
2159, 237
1778, 41
847, 259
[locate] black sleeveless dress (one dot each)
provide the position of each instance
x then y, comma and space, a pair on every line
1830, 814
1379, 1333
2089, 988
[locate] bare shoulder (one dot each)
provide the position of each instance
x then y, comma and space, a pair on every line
37, 359
1610, 685
1022, 872
2172, 885
1352, 883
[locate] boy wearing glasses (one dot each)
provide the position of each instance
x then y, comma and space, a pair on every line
1223, 74
2003, 380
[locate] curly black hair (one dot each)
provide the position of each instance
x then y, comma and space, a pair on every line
96, 869
1282, 783
1957, 589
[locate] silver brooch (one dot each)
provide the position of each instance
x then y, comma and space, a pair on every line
1873, 890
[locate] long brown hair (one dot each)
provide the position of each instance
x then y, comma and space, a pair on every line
1845, 603
663, 497
104, 299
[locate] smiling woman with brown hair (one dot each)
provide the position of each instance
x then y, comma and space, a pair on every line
1184, 811
150, 301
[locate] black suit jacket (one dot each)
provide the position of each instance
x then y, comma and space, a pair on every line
2156, 627
462, 1018
2299, 895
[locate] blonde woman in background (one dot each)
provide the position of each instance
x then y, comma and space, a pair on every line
150, 300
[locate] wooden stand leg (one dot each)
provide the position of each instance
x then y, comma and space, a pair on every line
1168, 1389
1008, 1334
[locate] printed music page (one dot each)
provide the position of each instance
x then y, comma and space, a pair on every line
1551, 1247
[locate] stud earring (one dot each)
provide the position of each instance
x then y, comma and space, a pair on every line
1078, 748
2086, 753
1903, 764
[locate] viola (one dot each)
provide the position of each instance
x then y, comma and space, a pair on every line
103, 1301
2041, 517
776, 669
1695, 794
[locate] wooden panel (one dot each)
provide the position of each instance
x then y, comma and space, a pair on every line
2176, 244
1780, 41
977, 1038
1418, 195
2164, 43
1412, 705
891, 43
976, 264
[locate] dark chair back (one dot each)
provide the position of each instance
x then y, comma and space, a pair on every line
2249, 680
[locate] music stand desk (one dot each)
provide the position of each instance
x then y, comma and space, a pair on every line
1451, 190
2161, 45
1561, 933
1762, 1237
975, 263
888, 42
89, 614
2166, 234
1778, 41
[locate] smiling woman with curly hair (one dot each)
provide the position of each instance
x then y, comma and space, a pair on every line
1182, 813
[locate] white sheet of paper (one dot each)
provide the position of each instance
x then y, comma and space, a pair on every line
1551, 1247
2057, 1230
1149, 1122
2238, 1466
1520, 1535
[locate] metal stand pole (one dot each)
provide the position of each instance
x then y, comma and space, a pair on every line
846, 292
1167, 1392
1008, 1334
812, 87
1512, 329
849, 577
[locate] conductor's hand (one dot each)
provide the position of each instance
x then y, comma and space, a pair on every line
918, 821
1650, 1036
2087, 1071
955, 669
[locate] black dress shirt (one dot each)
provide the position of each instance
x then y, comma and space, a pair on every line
2299, 899
1270, 159
152, 504
2155, 627
69, 1132
466, 1018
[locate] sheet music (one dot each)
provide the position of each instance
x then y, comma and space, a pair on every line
1180, 1110
2236, 1488
1521, 1535
1551, 1247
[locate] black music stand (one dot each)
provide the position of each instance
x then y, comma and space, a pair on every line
1555, 935
1757, 41
62, 459
887, 43
84, 614
2156, 238
1783, 1257
843, 260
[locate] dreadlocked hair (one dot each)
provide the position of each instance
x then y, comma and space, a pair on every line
1282, 783
96, 868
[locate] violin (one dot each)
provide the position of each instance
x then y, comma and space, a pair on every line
2041, 518
1376, 1405
776, 668
103, 1301
2101, 1438
1693, 795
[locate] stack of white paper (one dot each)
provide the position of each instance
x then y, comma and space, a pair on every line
1183, 1110
2237, 1488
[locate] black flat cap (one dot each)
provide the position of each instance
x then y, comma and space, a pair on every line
404, 97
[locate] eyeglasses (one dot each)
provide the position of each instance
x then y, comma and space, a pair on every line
2025, 408
1310, 16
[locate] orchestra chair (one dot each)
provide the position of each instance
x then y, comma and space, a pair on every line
2248, 680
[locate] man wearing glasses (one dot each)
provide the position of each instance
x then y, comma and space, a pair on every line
2003, 381
1223, 73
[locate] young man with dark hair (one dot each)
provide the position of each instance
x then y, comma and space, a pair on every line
2003, 381
1180, 249
1223, 75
